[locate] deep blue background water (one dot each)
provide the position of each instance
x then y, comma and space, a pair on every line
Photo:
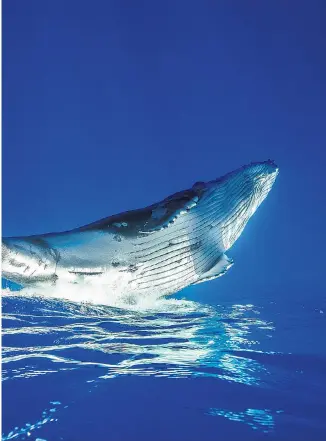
111, 106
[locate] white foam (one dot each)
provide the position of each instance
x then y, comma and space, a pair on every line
95, 293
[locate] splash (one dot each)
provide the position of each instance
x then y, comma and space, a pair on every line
97, 293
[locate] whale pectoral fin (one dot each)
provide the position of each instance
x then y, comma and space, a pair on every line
219, 269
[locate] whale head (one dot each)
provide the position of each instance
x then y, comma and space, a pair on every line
236, 197
252, 183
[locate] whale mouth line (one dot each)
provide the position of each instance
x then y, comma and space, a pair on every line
86, 273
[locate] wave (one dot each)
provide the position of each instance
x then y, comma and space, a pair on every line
148, 336
46, 336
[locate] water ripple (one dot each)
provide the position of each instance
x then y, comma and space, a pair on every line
170, 338
175, 338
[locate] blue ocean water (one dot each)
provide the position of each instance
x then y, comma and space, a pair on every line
110, 106
171, 369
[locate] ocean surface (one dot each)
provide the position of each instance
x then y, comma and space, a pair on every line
176, 369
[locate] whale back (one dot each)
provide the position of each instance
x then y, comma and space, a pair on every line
149, 219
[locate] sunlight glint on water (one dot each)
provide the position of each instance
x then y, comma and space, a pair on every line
44, 335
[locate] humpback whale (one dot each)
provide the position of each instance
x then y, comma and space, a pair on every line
162, 248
